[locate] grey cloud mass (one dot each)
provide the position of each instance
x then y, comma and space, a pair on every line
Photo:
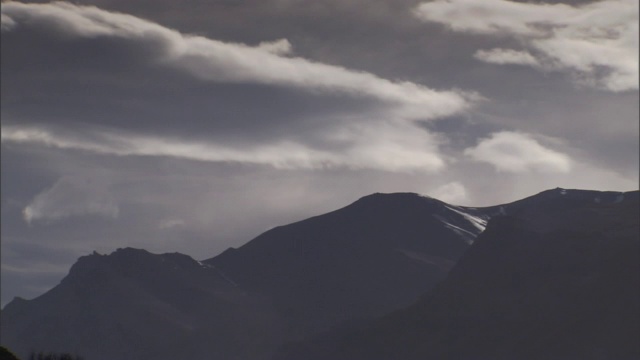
382, 140
193, 128
225, 62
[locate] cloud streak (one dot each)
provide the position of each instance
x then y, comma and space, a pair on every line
71, 197
378, 145
506, 56
597, 42
382, 136
217, 61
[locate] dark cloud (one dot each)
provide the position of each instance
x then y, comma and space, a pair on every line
108, 82
462, 131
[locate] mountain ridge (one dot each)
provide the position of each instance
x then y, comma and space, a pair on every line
375, 256
568, 290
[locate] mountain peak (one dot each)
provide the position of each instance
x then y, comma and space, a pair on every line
590, 195
378, 196
393, 200
127, 262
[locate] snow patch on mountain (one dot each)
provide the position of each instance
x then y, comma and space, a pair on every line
468, 236
478, 222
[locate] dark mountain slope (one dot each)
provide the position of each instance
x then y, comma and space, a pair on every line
371, 257
136, 305
559, 281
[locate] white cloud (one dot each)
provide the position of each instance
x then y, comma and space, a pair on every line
506, 56
399, 147
218, 61
597, 41
453, 193
278, 47
518, 153
71, 197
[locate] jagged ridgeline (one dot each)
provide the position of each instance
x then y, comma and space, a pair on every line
325, 287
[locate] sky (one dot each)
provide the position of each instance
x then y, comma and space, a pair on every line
194, 126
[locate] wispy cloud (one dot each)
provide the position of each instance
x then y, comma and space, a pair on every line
596, 41
517, 152
6, 23
506, 56
171, 224
71, 197
36, 269
380, 146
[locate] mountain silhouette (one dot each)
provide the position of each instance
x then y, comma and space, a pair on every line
558, 279
339, 270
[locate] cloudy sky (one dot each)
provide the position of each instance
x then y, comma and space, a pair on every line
193, 126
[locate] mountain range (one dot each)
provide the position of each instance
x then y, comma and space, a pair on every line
558, 280
391, 276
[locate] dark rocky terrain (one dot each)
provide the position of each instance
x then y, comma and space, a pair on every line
367, 259
377, 255
358, 283
132, 304
558, 279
